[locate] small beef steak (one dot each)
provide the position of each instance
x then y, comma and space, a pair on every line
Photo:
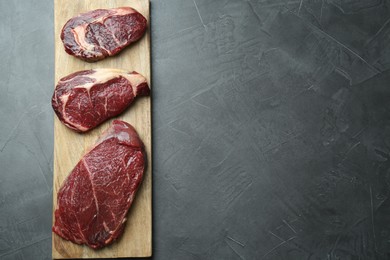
94, 199
94, 35
85, 99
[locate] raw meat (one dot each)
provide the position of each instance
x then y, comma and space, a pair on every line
85, 99
93, 201
94, 35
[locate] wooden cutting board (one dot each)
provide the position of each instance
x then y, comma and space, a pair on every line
69, 146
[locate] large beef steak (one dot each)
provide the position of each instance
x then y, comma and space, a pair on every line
94, 199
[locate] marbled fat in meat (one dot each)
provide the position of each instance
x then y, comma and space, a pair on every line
100, 33
85, 99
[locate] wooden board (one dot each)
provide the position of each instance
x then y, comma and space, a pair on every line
70, 146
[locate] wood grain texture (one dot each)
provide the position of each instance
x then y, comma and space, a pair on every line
70, 146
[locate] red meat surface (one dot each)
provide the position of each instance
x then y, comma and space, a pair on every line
85, 99
93, 201
100, 33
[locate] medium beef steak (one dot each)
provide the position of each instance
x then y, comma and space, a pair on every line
94, 35
85, 99
93, 201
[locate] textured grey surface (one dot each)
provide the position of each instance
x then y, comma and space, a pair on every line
271, 125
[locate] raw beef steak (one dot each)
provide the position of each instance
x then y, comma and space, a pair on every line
94, 35
93, 201
85, 99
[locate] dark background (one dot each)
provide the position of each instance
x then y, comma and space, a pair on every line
271, 129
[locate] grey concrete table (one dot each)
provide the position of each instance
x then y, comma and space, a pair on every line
271, 125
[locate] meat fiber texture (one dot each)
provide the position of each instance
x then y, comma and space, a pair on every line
85, 99
93, 201
100, 33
